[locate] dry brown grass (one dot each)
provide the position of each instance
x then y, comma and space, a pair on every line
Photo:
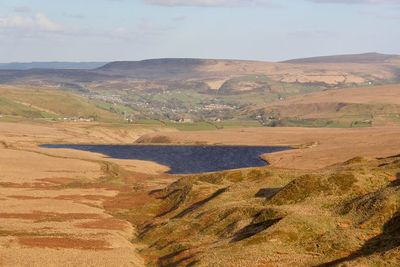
333, 74
387, 94
330, 146
63, 243
379, 105
51, 216
265, 216
59, 197
107, 224
276, 217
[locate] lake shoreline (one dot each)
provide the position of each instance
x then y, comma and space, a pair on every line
184, 159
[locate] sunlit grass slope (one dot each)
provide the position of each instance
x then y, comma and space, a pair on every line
36, 103
347, 213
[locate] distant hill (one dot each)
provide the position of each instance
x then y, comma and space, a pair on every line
51, 65
213, 75
165, 68
221, 90
367, 58
329, 70
149, 63
351, 107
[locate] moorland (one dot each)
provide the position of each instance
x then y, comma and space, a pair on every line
333, 199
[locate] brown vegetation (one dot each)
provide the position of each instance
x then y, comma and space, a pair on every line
278, 217
52, 201
64, 204
50, 216
107, 224
328, 146
63, 243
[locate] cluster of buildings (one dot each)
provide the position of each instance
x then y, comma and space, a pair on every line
78, 119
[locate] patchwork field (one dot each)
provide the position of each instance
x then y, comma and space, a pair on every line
205, 91
336, 108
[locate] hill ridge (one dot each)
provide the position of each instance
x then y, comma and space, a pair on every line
370, 57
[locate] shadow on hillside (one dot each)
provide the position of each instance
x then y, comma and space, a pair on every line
177, 258
169, 194
200, 203
175, 198
267, 193
397, 181
147, 228
253, 229
389, 239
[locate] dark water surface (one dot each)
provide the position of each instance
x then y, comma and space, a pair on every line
185, 159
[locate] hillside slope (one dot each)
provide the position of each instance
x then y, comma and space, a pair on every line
347, 213
352, 107
212, 90
171, 68
328, 71
331, 70
35, 103
367, 58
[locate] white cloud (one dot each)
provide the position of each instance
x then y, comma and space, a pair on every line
47, 24
210, 3
37, 22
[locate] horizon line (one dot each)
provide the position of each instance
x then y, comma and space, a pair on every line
199, 58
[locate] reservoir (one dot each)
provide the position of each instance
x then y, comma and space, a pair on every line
185, 159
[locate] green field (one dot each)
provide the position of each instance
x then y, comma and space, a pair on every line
51, 104
327, 123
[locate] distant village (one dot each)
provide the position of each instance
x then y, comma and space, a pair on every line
174, 112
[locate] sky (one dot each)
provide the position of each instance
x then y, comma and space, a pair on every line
270, 30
